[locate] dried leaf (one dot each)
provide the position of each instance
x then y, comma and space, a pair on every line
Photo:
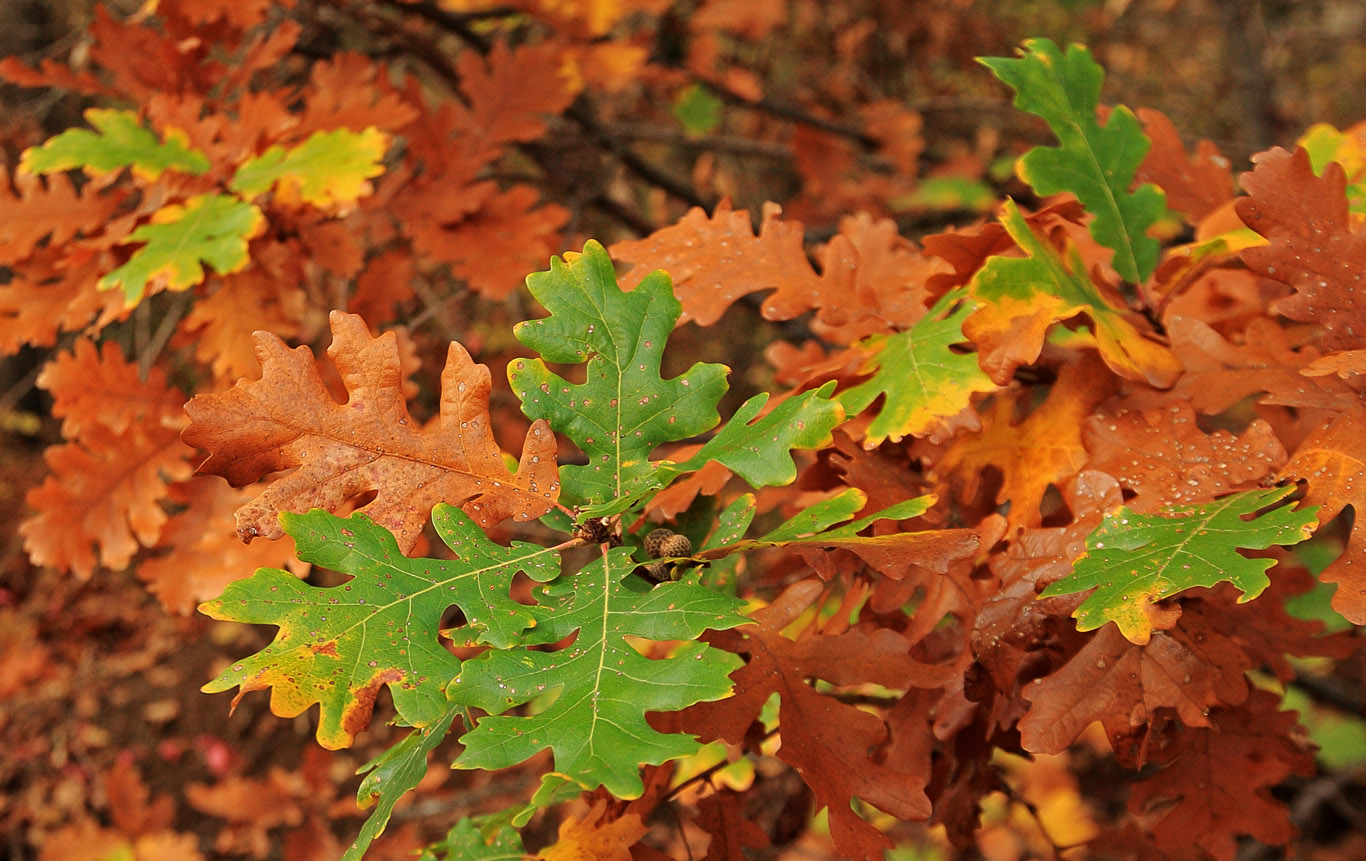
1313, 247
1044, 449
591, 839
1163, 457
1219, 784
102, 501
287, 419
831, 744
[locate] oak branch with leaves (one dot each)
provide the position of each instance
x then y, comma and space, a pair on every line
1069, 465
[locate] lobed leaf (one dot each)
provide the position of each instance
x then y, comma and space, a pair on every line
119, 141
1019, 299
210, 228
1096, 163
1134, 560
393, 774
922, 381
338, 645
624, 408
288, 419
328, 169
601, 684
757, 450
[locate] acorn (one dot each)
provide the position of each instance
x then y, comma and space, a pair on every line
655, 540
674, 545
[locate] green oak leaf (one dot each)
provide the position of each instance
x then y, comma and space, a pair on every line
391, 775
467, 841
817, 524
602, 686
818, 528
922, 381
756, 449
624, 408
337, 646
1094, 162
119, 141
1133, 560
331, 167
210, 228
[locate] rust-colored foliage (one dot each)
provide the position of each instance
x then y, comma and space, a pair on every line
287, 420
973, 352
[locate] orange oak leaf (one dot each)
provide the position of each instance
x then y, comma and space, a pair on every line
873, 281
1312, 246
591, 839
204, 553
51, 293
511, 91
102, 501
96, 386
1221, 372
1219, 784
287, 421
831, 744
716, 260
386, 282
250, 808
1163, 457
220, 325
352, 92
1333, 462
1045, 448
508, 237
1196, 185
47, 208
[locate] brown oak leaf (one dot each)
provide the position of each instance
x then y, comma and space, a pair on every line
204, 553
1190, 668
1219, 784
49, 208
1196, 185
1312, 246
220, 326
716, 260
722, 815
1221, 372
591, 839
97, 386
1163, 457
287, 421
1333, 462
831, 744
